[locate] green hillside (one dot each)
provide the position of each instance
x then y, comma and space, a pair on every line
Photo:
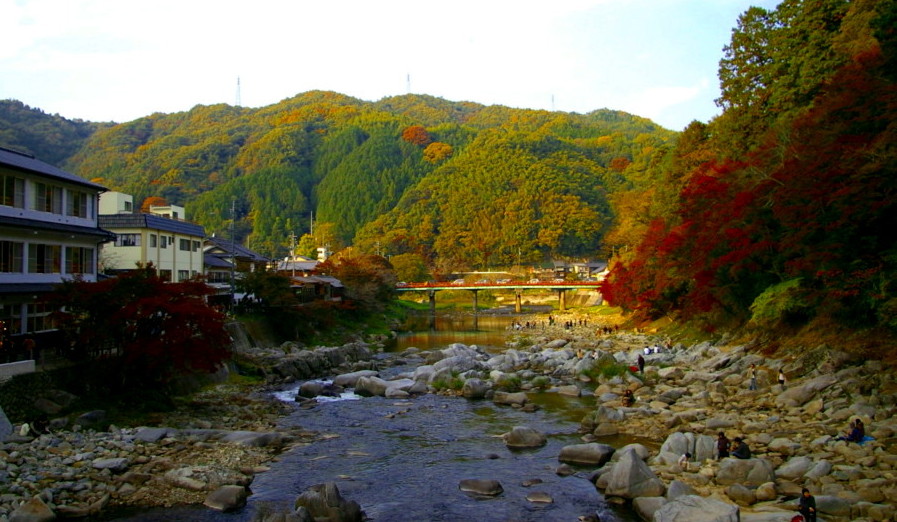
490, 183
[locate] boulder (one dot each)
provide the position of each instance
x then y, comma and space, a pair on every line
795, 468
590, 454
632, 478
677, 488
697, 509
323, 501
227, 498
151, 434
800, 395
349, 380
510, 399
481, 487
34, 510
645, 507
741, 494
521, 437
371, 386
747, 472
474, 389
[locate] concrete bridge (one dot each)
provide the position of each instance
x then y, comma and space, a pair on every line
518, 286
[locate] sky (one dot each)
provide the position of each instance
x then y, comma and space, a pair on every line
119, 60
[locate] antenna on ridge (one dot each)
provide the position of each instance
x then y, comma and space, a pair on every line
552, 103
238, 92
408, 84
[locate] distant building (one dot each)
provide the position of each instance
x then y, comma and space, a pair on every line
162, 237
49, 232
223, 260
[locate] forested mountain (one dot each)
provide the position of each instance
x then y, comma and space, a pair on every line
459, 184
51, 138
781, 212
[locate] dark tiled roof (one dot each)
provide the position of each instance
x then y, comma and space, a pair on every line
54, 227
28, 163
241, 251
214, 261
152, 221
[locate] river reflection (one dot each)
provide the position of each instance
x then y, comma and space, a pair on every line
432, 333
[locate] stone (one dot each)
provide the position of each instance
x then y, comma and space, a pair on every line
766, 492
831, 505
33, 510
819, 470
747, 472
539, 497
521, 437
116, 465
151, 434
323, 501
795, 467
589, 454
677, 488
5, 426
697, 509
371, 387
227, 498
474, 389
783, 445
632, 478
510, 399
481, 487
349, 380
741, 494
645, 507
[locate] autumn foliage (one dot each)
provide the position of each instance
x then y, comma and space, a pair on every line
153, 330
805, 222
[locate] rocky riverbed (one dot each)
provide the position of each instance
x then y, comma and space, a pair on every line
686, 395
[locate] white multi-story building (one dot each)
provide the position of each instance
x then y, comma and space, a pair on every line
48, 233
161, 237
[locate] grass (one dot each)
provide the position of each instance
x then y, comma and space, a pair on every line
607, 369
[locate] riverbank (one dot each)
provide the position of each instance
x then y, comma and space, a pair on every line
687, 395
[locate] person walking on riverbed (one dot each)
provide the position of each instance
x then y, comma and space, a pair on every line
807, 505
753, 374
641, 364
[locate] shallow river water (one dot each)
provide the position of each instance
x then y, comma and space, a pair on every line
402, 460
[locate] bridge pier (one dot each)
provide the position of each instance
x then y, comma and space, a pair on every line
562, 297
432, 295
476, 310
518, 301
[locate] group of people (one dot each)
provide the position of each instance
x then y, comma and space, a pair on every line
737, 447
856, 432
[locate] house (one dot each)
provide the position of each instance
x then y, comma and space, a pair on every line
161, 236
49, 232
225, 259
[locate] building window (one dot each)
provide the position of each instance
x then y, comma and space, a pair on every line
39, 317
183, 275
78, 260
196, 246
47, 198
44, 259
164, 241
11, 256
184, 244
129, 206
76, 205
165, 275
123, 240
13, 189
10, 319
152, 240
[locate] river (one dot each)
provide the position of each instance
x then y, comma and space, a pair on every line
402, 460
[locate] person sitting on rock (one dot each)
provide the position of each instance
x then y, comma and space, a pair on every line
740, 449
628, 398
722, 446
855, 432
683, 461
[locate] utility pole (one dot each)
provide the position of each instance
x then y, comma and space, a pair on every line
293, 252
233, 251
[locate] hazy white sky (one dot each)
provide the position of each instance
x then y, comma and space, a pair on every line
119, 60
